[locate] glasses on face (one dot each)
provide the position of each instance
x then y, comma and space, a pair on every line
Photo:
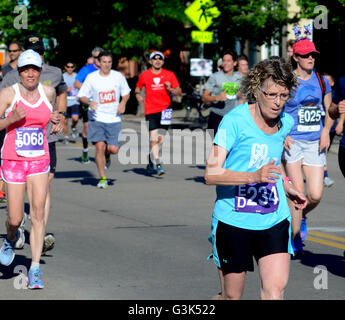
305, 56
273, 96
95, 57
13, 50
157, 58
70, 67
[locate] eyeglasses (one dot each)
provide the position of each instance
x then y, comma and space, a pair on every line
157, 58
95, 57
273, 96
13, 50
69, 67
306, 56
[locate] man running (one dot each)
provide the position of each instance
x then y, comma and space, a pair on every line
102, 91
221, 89
159, 83
79, 79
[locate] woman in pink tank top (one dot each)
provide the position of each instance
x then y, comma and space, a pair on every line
28, 108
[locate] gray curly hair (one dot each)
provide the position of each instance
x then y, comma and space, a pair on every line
274, 68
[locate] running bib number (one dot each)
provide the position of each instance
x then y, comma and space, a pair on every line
309, 118
166, 116
257, 198
30, 142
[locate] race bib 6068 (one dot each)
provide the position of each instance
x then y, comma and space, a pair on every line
30, 142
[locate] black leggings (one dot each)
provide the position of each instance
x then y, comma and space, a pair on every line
341, 159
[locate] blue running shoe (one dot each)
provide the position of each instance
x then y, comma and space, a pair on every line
297, 246
7, 253
150, 169
303, 230
160, 170
34, 279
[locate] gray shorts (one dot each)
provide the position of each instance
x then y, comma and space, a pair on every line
101, 131
307, 151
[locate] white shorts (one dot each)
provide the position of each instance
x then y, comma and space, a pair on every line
307, 151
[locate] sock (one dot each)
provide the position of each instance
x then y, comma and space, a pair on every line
34, 265
86, 150
85, 143
158, 162
325, 174
150, 161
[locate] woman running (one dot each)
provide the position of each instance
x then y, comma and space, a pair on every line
27, 107
251, 216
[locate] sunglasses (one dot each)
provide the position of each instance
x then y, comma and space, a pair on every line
13, 50
95, 57
305, 56
157, 58
69, 67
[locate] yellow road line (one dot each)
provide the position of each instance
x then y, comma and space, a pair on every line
326, 242
327, 236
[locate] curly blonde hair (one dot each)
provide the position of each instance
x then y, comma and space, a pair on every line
274, 68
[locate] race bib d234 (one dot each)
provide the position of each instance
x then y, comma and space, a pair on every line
257, 198
166, 116
30, 142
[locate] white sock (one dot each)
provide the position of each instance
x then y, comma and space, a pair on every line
34, 265
86, 150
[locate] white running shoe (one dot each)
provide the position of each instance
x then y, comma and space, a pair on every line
20, 239
327, 182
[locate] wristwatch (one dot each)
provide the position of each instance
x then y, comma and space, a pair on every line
63, 113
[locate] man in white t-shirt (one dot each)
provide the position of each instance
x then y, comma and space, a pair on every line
102, 91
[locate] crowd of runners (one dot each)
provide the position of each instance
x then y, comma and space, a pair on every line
271, 125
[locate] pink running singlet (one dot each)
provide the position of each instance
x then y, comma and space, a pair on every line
26, 139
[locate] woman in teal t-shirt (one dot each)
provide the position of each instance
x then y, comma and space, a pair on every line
251, 217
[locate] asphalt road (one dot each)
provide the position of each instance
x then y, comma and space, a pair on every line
145, 237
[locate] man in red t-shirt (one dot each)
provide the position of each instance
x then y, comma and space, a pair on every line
159, 84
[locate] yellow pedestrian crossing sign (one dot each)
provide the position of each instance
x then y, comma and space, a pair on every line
202, 13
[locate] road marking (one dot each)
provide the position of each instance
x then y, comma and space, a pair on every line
327, 236
326, 242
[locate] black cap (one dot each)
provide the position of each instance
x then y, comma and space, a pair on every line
35, 43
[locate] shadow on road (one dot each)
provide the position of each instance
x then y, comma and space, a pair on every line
196, 179
335, 264
142, 172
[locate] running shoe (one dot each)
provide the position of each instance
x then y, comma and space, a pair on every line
65, 140
20, 239
303, 232
103, 183
2, 197
48, 242
150, 169
34, 279
327, 182
6, 253
160, 170
85, 157
297, 246
74, 133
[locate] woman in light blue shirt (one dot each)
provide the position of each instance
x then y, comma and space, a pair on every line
251, 216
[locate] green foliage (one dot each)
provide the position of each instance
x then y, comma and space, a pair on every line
131, 27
